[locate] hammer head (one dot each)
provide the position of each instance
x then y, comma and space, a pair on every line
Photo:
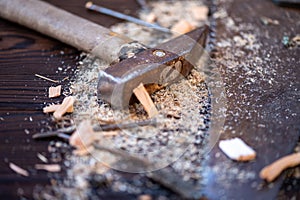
162, 65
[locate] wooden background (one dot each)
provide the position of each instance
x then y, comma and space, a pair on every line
23, 53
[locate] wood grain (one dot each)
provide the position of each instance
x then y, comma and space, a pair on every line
22, 96
23, 53
276, 106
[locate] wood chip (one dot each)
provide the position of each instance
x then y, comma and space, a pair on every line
143, 96
42, 158
66, 105
18, 169
237, 149
151, 18
270, 172
54, 91
182, 27
53, 108
84, 151
144, 197
200, 12
49, 168
83, 136
46, 78
268, 21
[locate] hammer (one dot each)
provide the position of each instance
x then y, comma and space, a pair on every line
134, 62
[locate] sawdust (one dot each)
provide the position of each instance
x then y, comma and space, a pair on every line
248, 64
185, 99
239, 52
194, 12
183, 112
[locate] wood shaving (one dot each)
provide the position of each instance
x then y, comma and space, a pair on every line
268, 21
42, 158
143, 96
84, 151
18, 169
272, 171
47, 79
66, 105
151, 18
53, 108
144, 197
49, 168
84, 136
54, 91
200, 12
237, 149
182, 27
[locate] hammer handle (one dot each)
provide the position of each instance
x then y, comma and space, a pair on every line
64, 26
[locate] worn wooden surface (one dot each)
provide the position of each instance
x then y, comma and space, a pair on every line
23, 53
264, 114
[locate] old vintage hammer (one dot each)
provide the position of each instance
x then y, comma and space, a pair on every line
134, 63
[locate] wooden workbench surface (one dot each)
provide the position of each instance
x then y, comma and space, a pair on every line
24, 53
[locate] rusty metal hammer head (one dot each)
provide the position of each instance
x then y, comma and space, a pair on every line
162, 65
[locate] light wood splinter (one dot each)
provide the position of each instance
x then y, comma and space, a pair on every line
143, 96
54, 91
270, 172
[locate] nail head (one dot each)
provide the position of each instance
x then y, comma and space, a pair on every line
159, 53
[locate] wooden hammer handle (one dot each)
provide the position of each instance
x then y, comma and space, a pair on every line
64, 26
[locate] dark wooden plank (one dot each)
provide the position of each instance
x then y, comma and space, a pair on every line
22, 96
23, 53
265, 115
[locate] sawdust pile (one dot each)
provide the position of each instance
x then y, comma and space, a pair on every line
184, 113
